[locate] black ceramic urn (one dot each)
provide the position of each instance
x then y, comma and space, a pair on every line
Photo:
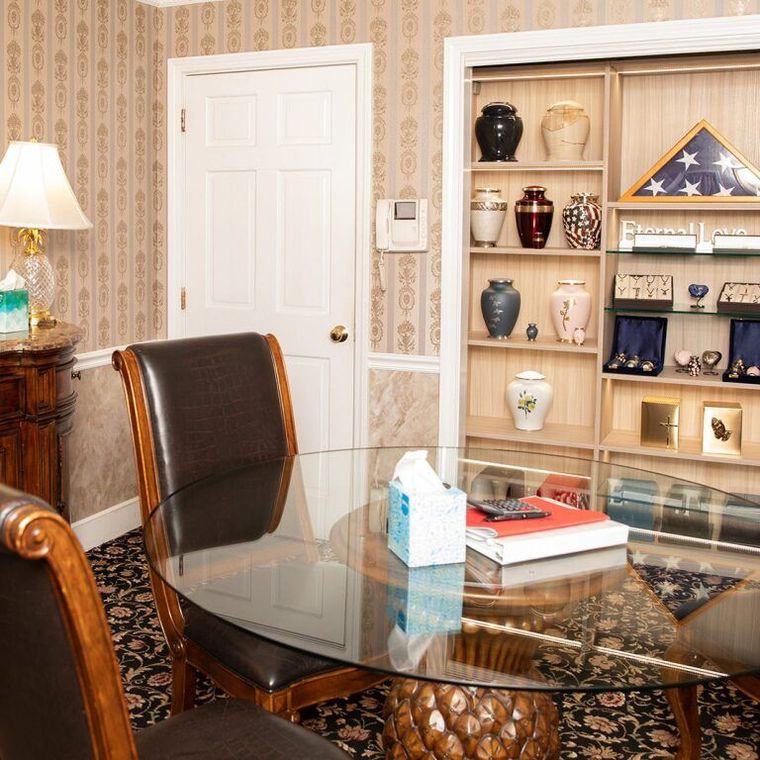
498, 131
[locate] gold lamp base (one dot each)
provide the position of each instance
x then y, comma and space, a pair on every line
42, 319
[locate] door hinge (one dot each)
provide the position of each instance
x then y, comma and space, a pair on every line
183, 299
183, 120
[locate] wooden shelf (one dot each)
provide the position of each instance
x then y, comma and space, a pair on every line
690, 449
500, 75
718, 253
521, 342
670, 376
685, 310
553, 434
751, 204
537, 166
571, 253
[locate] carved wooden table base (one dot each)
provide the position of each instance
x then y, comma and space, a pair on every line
436, 721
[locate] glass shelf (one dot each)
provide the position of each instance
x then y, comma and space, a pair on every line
676, 252
681, 309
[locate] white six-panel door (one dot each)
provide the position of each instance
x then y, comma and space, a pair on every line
270, 238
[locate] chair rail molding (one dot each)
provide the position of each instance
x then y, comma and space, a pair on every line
403, 363
461, 54
358, 55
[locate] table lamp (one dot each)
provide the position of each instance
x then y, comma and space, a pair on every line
35, 196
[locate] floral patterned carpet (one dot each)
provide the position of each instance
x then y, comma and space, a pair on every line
606, 726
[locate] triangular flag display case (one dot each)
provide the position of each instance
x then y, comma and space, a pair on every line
701, 167
626, 114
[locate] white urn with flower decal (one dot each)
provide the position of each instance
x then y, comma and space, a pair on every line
529, 398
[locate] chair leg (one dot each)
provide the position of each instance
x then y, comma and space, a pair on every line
683, 702
184, 677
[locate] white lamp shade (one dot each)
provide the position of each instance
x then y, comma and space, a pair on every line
34, 190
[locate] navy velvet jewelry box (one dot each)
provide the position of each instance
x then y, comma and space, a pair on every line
744, 344
638, 336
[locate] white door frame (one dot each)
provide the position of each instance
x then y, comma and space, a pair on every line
360, 56
460, 55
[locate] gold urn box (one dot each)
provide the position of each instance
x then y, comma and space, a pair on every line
659, 421
722, 428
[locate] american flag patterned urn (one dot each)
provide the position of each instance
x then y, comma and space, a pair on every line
582, 221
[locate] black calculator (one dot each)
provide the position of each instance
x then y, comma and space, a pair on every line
507, 509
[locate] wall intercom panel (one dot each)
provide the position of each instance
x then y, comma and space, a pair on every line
401, 224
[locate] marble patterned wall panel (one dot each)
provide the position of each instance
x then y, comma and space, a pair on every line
101, 462
403, 408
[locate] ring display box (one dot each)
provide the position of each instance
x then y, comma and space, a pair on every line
643, 291
741, 516
744, 345
641, 338
634, 502
686, 510
740, 297
722, 428
673, 242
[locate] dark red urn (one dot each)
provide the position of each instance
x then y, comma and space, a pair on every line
533, 213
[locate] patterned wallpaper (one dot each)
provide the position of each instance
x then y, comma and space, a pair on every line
90, 75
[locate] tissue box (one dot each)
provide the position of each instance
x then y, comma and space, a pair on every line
431, 601
427, 529
14, 310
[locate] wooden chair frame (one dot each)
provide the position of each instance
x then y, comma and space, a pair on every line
188, 657
37, 533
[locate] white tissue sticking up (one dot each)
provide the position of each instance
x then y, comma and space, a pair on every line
416, 475
12, 281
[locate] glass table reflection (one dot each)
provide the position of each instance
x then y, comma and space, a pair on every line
295, 550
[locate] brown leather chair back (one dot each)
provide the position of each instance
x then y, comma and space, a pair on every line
204, 405
60, 690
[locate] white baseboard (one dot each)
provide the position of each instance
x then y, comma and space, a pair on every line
96, 529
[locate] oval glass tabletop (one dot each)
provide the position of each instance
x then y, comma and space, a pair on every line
296, 550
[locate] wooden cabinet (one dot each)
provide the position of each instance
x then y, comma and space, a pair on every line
639, 109
36, 411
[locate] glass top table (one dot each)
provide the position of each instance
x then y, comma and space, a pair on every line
295, 550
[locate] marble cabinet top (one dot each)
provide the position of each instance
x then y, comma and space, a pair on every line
63, 335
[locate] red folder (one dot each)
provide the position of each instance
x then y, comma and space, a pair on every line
561, 516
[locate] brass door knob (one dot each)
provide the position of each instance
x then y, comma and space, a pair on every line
339, 334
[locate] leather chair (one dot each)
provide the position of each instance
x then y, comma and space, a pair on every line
199, 406
60, 689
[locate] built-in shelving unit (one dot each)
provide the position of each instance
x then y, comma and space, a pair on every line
638, 110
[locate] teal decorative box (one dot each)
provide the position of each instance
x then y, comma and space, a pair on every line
14, 310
